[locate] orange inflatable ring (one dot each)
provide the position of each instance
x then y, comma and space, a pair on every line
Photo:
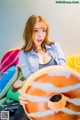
53, 93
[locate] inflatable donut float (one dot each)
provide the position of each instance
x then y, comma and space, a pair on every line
53, 93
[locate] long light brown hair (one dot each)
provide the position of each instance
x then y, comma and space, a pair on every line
28, 31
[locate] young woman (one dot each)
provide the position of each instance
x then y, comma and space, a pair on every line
38, 52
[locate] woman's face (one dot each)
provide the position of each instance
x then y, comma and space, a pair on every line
39, 33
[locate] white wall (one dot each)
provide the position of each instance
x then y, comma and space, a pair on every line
63, 20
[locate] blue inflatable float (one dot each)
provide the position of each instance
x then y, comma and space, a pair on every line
7, 80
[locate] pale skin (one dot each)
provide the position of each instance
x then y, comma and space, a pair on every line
38, 37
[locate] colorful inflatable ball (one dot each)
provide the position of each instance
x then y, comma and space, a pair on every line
53, 93
7, 80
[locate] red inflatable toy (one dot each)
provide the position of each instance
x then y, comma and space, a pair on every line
9, 59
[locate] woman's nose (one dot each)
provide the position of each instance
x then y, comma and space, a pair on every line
40, 34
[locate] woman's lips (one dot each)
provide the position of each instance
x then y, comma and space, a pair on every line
39, 40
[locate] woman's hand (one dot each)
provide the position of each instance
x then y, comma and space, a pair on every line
22, 98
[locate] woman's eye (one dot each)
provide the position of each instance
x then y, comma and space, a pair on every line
44, 30
35, 30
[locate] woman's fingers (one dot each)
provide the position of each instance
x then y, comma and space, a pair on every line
20, 91
23, 102
22, 97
